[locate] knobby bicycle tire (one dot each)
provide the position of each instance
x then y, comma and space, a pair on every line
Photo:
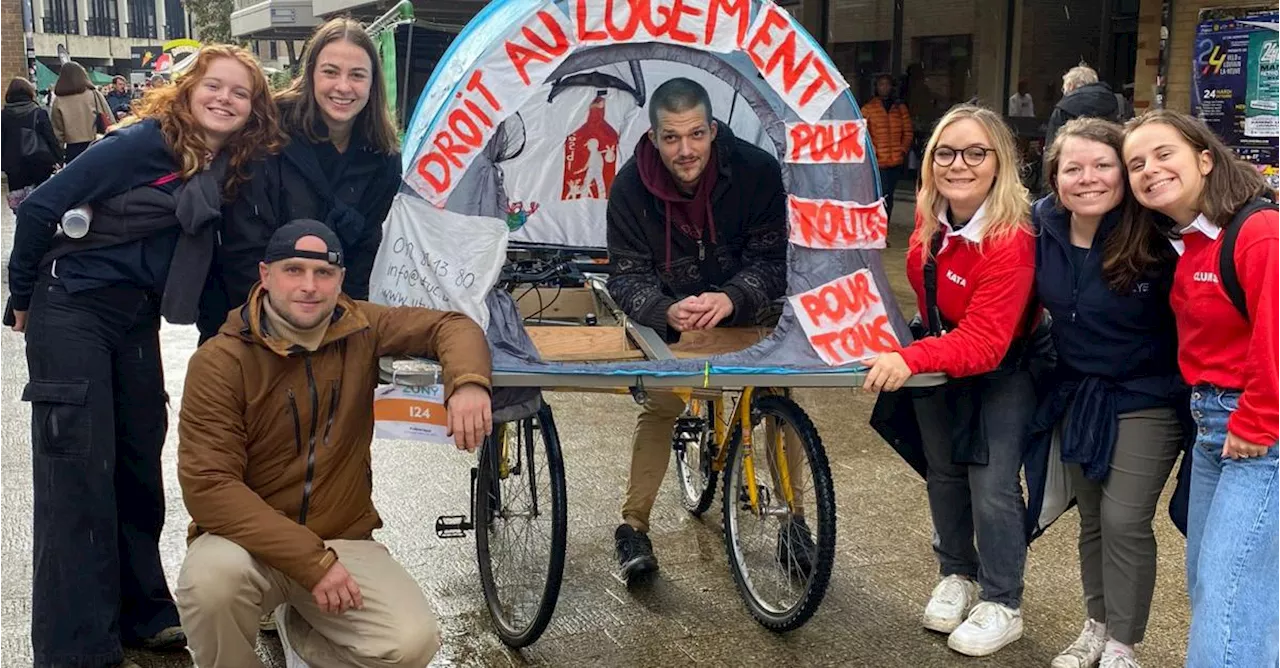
790, 413
487, 477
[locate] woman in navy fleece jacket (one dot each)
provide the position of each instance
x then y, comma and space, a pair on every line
92, 320
1104, 274
971, 221
1180, 170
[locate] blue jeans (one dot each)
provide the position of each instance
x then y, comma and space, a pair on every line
977, 508
1232, 558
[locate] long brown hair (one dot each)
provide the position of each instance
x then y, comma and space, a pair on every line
1135, 246
1008, 204
171, 106
1230, 184
298, 108
72, 80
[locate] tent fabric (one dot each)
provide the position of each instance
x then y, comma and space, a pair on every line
604, 83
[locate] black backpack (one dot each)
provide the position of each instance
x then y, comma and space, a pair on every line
1227, 253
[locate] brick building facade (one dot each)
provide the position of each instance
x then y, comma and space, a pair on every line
13, 51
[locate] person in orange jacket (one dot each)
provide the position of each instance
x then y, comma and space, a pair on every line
889, 124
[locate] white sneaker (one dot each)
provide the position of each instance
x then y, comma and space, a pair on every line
1086, 650
950, 603
291, 658
1119, 659
989, 627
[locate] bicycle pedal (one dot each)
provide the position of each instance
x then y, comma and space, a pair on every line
453, 526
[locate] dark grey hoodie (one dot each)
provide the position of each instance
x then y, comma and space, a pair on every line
1095, 100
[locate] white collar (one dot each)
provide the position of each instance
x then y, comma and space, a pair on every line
971, 231
1201, 225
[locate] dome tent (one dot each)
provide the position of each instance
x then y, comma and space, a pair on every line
538, 103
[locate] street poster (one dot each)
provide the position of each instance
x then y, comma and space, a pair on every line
1235, 88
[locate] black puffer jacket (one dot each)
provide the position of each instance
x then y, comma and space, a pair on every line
350, 192
1095, 100
747, 261
19, 171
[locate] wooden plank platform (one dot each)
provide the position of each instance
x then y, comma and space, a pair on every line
605, 344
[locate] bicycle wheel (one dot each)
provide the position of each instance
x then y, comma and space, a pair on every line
781, 554
694, 442
520, 523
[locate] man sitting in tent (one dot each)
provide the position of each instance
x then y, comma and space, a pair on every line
697, 234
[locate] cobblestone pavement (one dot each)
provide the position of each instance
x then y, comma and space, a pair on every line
692, 614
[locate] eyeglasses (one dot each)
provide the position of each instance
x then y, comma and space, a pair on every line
943, 156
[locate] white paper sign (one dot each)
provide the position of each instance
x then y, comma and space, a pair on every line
411, 414
438, 259
826, 142
845, 319
833, 224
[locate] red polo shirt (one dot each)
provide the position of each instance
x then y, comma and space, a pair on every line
984, 287
1216, 344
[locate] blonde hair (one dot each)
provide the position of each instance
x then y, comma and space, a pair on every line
1080, 75
1008, 204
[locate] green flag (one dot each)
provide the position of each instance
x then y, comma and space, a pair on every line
387, 51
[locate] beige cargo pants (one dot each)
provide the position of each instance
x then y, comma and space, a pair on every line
223, 591
651, 452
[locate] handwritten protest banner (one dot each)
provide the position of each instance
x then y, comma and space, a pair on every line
793, 65
826, 142
845, 319
508, 75
832, 224
709, 25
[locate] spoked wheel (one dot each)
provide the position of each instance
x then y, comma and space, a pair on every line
781, 550
694, 442
520, 520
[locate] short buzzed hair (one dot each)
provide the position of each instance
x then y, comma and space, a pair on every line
1080, 75
677, 96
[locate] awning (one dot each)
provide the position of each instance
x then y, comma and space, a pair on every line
45, 77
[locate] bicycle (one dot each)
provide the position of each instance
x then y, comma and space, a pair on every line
784, 581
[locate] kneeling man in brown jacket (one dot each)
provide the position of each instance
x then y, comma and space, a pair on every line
274, 462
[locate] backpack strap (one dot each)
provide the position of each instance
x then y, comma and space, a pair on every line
931, 284
1227, 254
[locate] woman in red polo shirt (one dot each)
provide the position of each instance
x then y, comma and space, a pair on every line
1180, 170
972, 235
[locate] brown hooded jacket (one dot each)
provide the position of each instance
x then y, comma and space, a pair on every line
273, 450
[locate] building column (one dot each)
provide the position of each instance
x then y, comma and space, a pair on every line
161, 26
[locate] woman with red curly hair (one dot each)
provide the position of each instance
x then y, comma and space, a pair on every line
91, 305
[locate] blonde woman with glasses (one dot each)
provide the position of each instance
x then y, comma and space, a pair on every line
971, 261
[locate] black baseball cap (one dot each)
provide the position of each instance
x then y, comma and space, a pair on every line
284, 242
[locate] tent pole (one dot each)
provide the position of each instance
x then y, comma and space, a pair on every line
404, 78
